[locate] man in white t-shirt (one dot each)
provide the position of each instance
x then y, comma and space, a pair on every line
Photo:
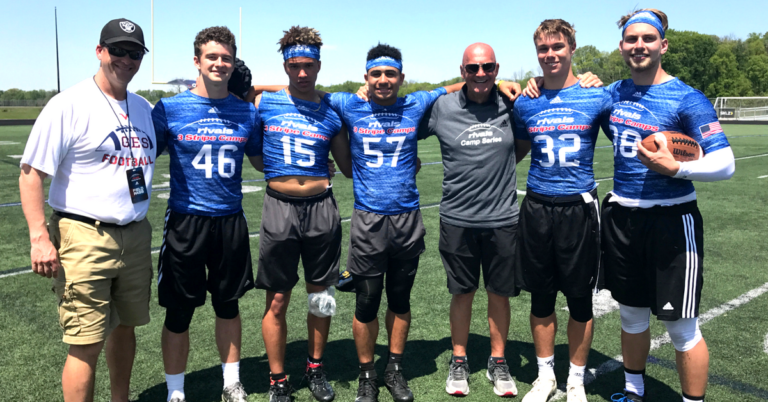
97, 142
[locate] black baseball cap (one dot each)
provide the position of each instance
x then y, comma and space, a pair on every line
122, 30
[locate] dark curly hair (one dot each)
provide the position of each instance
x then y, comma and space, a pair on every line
384, 50
221, 35
300, 36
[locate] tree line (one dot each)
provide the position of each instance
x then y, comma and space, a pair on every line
717, 66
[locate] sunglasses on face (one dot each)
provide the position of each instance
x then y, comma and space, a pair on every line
120, 52
474, 68
387, 73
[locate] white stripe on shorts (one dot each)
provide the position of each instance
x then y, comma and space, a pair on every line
691, 268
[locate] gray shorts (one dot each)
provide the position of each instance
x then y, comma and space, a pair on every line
375, 240
293, 227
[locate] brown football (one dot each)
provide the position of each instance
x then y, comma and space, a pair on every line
683, 147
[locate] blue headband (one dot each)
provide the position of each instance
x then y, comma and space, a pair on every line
310, 51
384, 61
645, 17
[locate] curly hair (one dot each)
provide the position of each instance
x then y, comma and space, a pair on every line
554, 27
300, 36
384, 50
220, 35
663, 17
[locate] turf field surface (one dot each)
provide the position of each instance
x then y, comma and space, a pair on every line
733, 303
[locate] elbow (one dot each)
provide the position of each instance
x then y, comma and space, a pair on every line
729, 171
346, 172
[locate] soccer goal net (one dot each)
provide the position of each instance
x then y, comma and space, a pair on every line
742, 108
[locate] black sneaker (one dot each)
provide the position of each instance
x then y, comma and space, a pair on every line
396, 384
367, 387
626, 397
280, 391
318, 384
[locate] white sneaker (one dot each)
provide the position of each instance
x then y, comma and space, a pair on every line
498, 374
542, 390
457, 382
576, 393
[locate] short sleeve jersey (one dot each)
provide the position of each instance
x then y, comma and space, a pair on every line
87, 141
384, 149
562, 126
297, 135
639, 111
206, 140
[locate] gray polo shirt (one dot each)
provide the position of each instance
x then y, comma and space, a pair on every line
478, 147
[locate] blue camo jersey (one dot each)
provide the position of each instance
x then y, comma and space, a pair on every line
384, 149
639, 111
562, 126
206, 140
297, 135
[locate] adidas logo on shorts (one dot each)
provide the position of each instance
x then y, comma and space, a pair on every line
668, 306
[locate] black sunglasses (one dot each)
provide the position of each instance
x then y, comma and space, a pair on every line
120, 52
388, 73
474, 68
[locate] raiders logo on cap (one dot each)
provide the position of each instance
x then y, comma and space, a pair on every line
127, 26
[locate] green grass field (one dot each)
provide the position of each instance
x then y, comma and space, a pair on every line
19, 112
735, 215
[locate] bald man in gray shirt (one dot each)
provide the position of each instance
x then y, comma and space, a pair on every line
478, 212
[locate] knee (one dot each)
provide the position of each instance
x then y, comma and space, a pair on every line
177, 320
87, 353
368, 299
543, 304
464, 298
685, 333
277, 304
634, 320
580, 308
399, 304
227, 310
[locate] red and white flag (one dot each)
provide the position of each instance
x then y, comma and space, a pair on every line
709, 129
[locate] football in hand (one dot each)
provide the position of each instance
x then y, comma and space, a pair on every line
682, 147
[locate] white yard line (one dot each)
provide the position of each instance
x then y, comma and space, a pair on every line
659, 341
750, 157
765, 344
15, 273
15, 156
762, 177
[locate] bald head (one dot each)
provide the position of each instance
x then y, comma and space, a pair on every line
478, 51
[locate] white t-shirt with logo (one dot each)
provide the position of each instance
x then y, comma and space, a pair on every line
84, 140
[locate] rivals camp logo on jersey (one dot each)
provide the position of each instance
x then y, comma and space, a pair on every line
563, 119
384, 123
297, 124
635, 115
212, 129
117, 146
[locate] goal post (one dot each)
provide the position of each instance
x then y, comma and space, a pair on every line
754, 108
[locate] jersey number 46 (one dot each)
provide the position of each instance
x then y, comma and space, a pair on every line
227, 166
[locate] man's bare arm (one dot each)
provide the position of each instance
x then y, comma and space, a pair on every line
44, 256
257, 162
258, 89
341, 152
522, 148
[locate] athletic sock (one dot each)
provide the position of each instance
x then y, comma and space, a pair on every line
231, 373
314, 363
175, 384
634, 381
546, 366
576, 374
688, 398
395, 358
368, 367
273, 378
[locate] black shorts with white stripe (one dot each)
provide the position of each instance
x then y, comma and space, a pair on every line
653, 257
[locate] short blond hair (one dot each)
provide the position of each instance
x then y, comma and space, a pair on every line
554, 27
660, 14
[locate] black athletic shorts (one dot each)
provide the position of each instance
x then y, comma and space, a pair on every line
375, 240
559, 244
465, 250
293, 227
653, 257
192, 242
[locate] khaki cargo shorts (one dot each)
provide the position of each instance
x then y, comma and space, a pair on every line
104, 280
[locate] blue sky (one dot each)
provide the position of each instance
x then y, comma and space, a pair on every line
432, 34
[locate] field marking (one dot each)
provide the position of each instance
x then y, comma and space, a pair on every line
762, 177
750, 157
15, 156
8, 143
765, 344
661, 340
16, 273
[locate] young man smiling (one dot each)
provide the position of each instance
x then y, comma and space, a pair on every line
478, 211
207, 132
300, 216
559, 245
